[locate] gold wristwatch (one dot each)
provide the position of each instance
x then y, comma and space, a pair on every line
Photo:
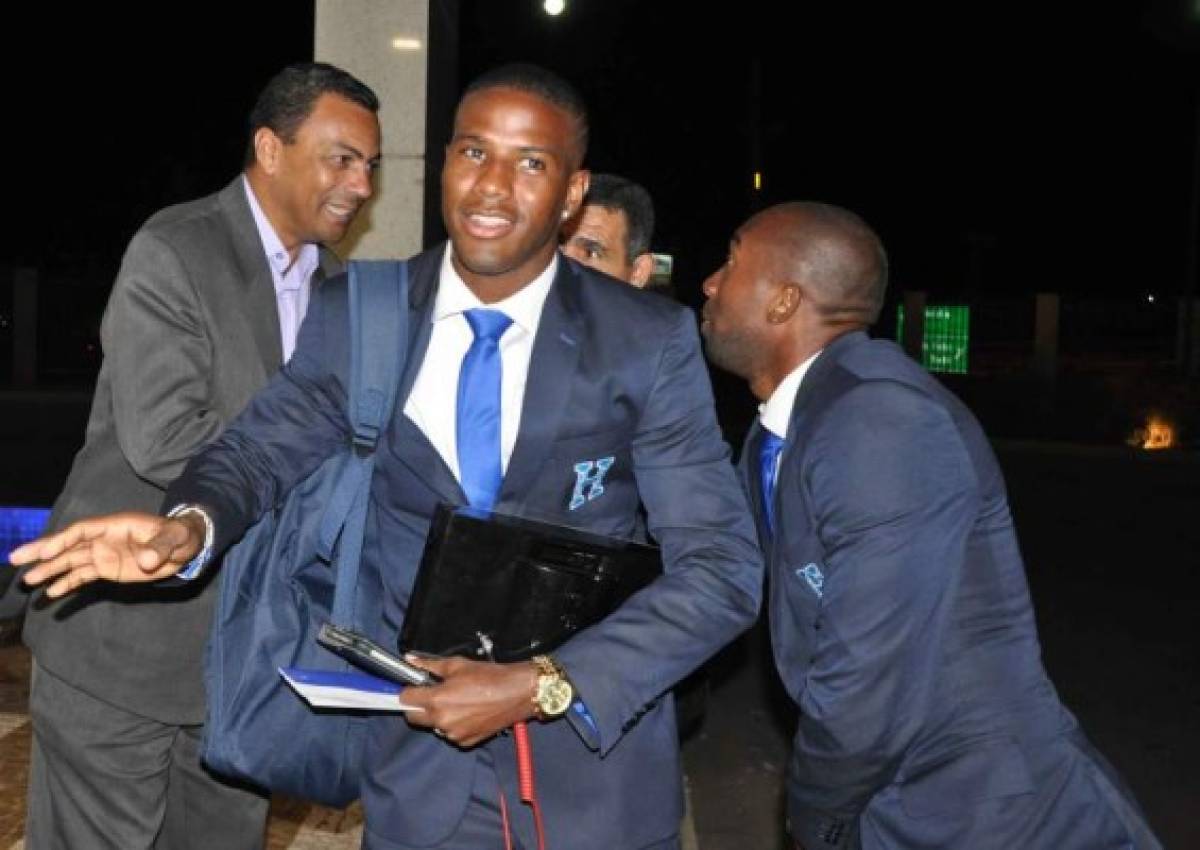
554, 693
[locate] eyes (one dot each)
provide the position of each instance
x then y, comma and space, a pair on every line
347, 161
593, 250
529, 163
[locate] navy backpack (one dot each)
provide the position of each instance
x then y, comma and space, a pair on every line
297, 568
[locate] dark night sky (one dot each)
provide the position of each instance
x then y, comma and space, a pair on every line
996, 148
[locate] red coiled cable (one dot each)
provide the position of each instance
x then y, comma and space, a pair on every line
526, 786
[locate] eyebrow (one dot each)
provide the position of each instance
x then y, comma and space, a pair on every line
357, 152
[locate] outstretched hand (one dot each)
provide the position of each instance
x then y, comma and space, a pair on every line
124, 547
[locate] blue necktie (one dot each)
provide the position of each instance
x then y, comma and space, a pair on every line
477, 422
768, 456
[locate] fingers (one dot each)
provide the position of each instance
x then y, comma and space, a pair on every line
75, 560
120, 547
52, 545
443, 667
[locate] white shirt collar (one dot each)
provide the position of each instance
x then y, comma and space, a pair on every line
277, 255
776, 412
524, 306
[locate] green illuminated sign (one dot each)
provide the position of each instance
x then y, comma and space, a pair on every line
947, 338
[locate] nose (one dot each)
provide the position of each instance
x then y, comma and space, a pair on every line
360, 181
709, 287
493, 179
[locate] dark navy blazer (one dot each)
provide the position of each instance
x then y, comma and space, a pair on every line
614, 373
902, 627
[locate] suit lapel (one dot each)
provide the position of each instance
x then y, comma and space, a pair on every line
814, 383
752, 476
802, 406
552, 365
258, 296
412, 446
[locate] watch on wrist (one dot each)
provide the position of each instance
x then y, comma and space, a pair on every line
554, 692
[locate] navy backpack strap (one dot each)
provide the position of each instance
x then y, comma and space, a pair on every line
378, 309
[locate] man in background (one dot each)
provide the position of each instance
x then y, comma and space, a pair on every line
205, 308
612, 230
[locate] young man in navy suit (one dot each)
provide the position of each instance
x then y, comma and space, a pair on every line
900, 617
604, 404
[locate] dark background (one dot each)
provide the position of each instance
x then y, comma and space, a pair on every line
998, 148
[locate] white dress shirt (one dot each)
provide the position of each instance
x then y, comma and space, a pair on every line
292, 279
432, 404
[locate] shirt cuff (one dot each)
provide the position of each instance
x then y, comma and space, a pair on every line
196, 566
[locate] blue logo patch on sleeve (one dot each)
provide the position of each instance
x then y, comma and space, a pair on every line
812, 574
589, 481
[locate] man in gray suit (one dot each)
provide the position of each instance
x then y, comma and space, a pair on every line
900, 617
205, 308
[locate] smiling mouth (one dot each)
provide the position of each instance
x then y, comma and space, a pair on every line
342, 212
487, 225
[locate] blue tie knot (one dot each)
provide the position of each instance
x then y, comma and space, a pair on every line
487, 325
772, 444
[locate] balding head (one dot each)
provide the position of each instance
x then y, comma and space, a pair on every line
798, 276
832, 255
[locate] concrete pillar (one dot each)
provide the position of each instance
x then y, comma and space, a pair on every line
25, 285
385, 44
1045, 335
914, 324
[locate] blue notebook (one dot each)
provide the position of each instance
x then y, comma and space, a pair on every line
353, 690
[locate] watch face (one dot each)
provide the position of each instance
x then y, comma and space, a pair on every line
554, 695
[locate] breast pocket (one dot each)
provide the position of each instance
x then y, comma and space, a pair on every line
593, 472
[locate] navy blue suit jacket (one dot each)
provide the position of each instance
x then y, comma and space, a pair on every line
614, 373
902, 627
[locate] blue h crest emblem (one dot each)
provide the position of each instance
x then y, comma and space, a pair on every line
811, 573
589, 481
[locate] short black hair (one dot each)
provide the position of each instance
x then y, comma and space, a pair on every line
619, 194
542, 83
291, 95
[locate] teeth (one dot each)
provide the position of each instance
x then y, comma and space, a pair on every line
489, 220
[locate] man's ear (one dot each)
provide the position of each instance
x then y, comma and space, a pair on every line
785, 304
576, 188
643, 267
267, 149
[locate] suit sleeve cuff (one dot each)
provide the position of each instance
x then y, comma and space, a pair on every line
196, 566
584, 724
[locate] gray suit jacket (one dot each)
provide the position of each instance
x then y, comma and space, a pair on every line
190, 332
902, 627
